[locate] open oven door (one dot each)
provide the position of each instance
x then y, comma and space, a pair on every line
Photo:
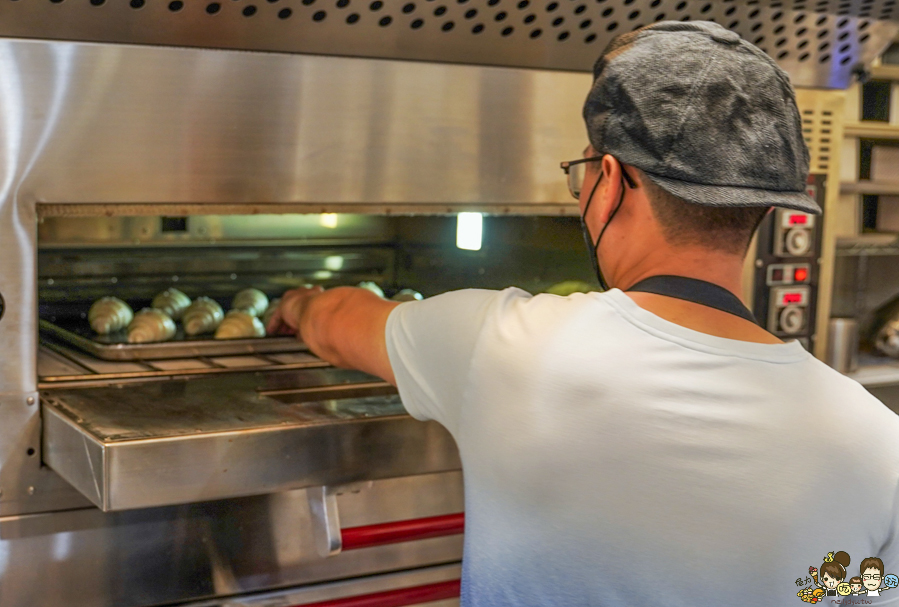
192, 439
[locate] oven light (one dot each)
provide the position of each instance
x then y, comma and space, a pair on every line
322, 274
468, 231
333, 262
328, 220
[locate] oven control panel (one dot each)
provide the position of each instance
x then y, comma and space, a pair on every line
786, 270
788, 310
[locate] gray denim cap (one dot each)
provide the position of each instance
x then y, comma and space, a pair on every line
707, 116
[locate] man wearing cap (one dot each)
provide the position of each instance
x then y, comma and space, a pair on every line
650, 444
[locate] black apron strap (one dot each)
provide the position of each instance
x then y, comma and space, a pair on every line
696, 291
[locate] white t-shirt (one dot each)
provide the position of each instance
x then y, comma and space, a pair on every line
614, 458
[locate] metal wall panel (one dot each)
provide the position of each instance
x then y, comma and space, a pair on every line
26, 125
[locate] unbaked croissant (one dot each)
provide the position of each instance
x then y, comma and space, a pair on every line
407, 295
109, 314
369, 285
202, 316
252, 301
171, 301
150, 325
272, 306
240, 323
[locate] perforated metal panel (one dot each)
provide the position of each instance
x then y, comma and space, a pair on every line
817, 41
821, 129
822, 126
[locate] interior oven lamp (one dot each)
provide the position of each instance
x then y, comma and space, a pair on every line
334, 263
469, 228
328, 220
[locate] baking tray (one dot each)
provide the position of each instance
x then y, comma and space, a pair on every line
115, 346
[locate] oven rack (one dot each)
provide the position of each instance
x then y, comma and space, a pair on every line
59, 365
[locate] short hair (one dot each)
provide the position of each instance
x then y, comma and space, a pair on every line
727, 229
872, 562
855, 580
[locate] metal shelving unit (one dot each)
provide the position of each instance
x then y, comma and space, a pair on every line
863, 277
868, 244
875, 372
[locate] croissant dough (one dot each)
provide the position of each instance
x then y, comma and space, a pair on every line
150, 325
202, 316
252, 301
109, 314
272, 306
407, 295
239, 323
171, 301
370, 286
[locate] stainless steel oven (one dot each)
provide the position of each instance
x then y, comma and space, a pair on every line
214, 146
265, 459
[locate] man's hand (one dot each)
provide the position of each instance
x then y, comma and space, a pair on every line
286, 319
345, 326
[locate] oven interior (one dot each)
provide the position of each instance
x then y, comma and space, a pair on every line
134, 427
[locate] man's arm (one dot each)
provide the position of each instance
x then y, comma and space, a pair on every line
345, 326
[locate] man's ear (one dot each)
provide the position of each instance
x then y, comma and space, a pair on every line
609, 195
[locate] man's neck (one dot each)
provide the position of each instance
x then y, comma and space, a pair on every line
702, 264
723, 270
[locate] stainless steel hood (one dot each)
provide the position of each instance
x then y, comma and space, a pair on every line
818, 42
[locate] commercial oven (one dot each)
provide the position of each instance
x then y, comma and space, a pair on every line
346, 484
219, 145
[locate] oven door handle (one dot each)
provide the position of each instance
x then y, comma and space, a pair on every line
331, 540
398, 597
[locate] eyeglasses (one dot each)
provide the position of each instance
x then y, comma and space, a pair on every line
871, 576
575, 170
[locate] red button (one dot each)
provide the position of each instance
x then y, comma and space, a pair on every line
800, 274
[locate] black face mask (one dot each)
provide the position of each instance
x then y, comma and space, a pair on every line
592, 247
